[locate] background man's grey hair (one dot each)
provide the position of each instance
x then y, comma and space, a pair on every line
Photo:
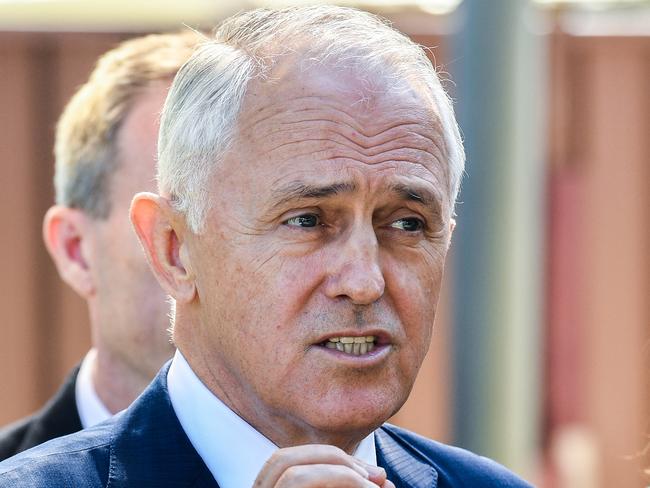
201, 113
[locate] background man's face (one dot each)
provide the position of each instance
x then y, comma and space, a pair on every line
329, 219
132, 309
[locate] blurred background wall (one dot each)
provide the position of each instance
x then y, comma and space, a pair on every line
540, 357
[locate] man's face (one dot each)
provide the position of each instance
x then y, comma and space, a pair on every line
329, 225
130, 316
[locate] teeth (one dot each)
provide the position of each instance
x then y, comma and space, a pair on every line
356, 346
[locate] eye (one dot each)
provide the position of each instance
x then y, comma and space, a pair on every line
305, 221
410, 224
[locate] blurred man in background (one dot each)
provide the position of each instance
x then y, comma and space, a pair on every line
105, 153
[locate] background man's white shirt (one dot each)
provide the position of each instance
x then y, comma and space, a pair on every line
91, 409
232, 449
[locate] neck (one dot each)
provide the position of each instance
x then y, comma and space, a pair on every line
274, 425
116, 383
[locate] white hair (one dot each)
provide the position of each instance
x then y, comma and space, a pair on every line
201, 113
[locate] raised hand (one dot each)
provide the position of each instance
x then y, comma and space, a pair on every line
316, 465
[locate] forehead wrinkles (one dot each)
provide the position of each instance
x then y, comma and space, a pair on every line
318, 128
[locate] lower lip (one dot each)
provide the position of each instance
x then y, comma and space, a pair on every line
377, 355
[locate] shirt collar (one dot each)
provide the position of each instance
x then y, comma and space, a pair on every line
92, 410
232, 449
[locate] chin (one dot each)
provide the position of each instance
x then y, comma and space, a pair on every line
356, 414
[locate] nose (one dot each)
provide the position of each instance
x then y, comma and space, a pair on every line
355, 272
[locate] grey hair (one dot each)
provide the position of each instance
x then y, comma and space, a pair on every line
200, 116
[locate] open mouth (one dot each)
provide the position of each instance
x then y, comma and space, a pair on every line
355, 346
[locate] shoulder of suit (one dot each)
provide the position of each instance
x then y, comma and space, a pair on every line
79, 459
456, 466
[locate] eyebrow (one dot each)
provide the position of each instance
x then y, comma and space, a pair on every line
420, 195
298, 190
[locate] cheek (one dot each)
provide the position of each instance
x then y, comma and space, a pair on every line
257, 287
290, 281
415, 284
414, 290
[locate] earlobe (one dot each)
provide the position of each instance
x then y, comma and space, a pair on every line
160, 231
64, 232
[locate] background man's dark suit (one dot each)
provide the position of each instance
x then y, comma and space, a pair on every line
58, 417
145, 446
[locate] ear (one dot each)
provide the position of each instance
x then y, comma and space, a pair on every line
161, 231
64, 231
452, 226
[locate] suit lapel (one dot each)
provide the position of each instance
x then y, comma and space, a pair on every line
404, 465
151, 448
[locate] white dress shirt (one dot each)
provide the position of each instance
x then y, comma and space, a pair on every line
232, 449
91, 409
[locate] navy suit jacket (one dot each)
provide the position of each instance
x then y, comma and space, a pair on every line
145, 446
